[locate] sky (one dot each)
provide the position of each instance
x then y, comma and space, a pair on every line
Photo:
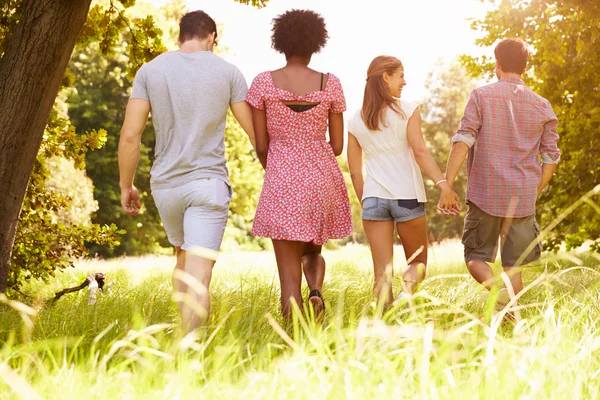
418, 32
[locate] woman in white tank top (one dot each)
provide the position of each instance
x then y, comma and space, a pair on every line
387, 131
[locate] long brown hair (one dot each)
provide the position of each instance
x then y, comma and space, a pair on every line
377, 95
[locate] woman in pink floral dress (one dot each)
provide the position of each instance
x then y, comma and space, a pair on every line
304, 201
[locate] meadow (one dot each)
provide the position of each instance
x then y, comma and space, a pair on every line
446, 344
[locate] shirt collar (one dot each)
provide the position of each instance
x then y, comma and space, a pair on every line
512, 80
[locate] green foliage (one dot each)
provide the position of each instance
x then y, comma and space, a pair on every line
109, 27
358, 232
98, 100
54, 226
254, 3
565, 69
449, 88
246, 176
9, 16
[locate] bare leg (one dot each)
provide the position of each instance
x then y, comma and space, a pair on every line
482, 273
413, 234
516, 279
313, 265
178, 285
288, 255
192, 283
380, 235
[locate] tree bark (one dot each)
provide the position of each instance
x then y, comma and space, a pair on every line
31, 72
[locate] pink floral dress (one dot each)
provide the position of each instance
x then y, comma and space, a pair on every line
304, 196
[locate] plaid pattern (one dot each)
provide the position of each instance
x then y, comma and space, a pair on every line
508, 128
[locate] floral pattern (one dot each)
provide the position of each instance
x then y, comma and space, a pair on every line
304, 196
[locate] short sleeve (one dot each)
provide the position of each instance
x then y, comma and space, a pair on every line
140, 87
408, 108
256, 93
338, 101
239, 87
352, 123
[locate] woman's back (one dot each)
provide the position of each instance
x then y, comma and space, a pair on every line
392, 172
287, 122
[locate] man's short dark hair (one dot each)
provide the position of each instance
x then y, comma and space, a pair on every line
512, 55
299, 33
196, 25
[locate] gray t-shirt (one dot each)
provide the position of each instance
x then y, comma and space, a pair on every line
189, 95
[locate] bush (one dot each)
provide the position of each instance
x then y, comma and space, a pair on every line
55, 226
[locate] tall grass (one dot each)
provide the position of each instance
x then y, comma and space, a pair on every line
443, 345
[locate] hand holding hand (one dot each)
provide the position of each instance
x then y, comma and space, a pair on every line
130, 200
449, 201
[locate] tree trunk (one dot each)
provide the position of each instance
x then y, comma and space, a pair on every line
31, 72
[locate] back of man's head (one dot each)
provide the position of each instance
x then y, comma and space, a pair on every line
511, 55
196, 25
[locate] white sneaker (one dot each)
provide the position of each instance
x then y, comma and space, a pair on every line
403, 298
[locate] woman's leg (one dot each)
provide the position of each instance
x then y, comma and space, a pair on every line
380, 235
413, 234
313, 265
288, 254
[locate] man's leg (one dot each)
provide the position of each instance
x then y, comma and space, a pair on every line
204, 221
517, 237
178, 285
480, 239
516, 279
193, 286
482, 273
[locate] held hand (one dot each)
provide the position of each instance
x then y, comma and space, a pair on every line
449, 202
130, 201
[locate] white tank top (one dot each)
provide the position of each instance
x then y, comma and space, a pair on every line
391, 169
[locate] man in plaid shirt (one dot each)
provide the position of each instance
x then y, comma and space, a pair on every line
509, 134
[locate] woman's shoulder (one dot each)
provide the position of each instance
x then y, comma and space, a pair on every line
355, 122
333, 80
408, 107
262, 77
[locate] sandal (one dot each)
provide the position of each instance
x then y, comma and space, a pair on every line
315, 300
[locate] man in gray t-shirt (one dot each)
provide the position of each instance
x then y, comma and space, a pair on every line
189, 93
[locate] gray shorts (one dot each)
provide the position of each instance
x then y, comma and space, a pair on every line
376, 209
195, 214
482, 233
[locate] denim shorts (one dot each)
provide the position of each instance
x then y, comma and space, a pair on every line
376, 209
195, 214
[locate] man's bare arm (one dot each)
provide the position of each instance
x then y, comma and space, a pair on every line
136, 117
243, 113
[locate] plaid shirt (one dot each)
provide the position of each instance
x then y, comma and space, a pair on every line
507, 127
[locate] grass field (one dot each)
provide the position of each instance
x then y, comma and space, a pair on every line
441, 347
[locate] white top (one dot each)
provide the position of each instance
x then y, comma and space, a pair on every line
391, 169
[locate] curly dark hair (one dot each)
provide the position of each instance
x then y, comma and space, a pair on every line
299, 33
